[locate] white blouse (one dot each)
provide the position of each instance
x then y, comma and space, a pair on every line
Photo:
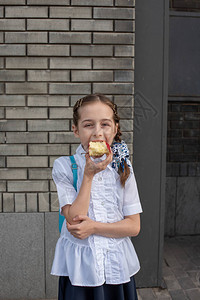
96, 259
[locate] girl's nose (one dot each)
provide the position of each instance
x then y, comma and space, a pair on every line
98, 131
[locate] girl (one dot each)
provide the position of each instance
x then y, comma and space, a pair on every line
94, 255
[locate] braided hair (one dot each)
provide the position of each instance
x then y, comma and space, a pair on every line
102, 98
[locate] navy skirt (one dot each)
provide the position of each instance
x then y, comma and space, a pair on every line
67, 291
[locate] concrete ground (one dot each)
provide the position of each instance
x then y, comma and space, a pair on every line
181, 271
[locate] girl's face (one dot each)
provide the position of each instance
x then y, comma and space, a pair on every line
95, 123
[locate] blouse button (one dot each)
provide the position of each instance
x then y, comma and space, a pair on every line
100, 178
102, 202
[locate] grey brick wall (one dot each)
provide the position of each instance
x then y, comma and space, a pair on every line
53, 52
183, 146
183, 169
192, 5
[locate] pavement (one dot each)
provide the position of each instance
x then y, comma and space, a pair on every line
181, 271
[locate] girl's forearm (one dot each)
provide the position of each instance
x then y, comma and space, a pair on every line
81, 203
123, 228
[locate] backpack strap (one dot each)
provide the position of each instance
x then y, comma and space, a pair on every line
75, 177
74, 171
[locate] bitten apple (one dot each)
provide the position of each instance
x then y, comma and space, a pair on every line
99, 148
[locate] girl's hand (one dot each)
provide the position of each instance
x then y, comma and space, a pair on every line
82, 230
91, 168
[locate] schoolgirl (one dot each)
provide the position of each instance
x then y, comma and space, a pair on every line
94, 255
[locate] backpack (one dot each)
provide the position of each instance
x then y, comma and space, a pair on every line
75, 177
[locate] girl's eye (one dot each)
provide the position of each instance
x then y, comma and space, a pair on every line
88, 125
105, 124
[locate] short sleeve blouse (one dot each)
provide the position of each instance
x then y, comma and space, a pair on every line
97, 259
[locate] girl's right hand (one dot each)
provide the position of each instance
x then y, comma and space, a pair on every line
91, 168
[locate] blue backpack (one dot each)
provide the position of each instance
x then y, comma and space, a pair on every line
75, 177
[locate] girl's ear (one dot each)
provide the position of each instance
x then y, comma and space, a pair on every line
75, 130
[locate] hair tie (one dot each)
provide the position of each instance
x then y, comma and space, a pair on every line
120, 155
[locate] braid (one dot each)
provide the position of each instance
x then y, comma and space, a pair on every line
118, 134
117, 119
78, 104
123, 174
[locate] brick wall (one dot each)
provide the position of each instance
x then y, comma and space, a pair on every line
183, 150
187, 5
53, 52
183, 169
